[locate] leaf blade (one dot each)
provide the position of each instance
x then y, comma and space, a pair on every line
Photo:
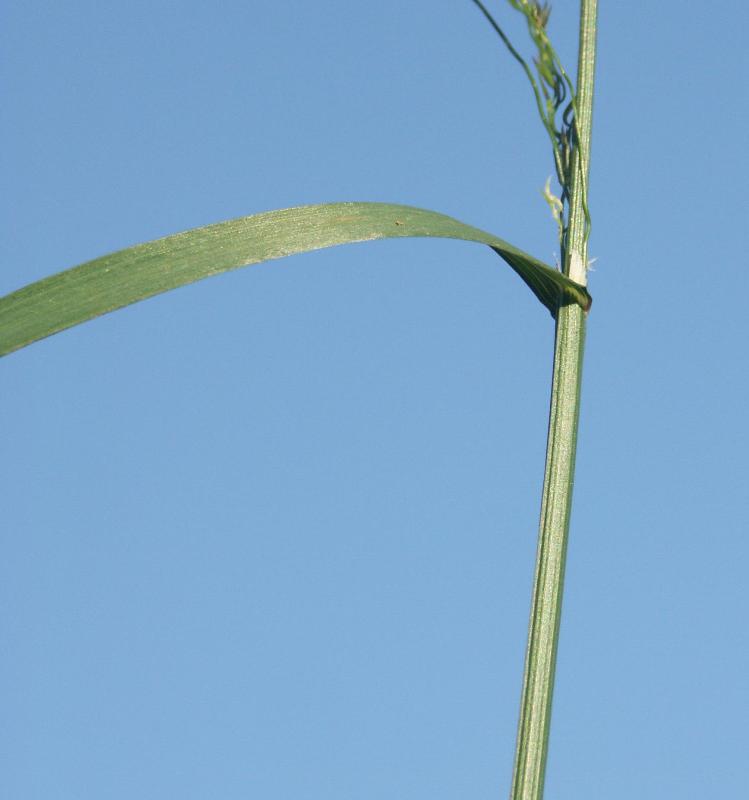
127, 276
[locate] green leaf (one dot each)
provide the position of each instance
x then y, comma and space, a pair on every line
111, 282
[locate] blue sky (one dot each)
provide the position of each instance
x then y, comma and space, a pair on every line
272, 535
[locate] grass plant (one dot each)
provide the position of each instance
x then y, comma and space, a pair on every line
113, 281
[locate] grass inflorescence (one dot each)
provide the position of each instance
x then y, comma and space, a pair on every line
556, 102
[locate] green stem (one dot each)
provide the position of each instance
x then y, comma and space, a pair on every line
546, 606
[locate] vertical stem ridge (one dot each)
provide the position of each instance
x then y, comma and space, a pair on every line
546, 605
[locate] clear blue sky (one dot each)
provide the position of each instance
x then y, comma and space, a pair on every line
272, 535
